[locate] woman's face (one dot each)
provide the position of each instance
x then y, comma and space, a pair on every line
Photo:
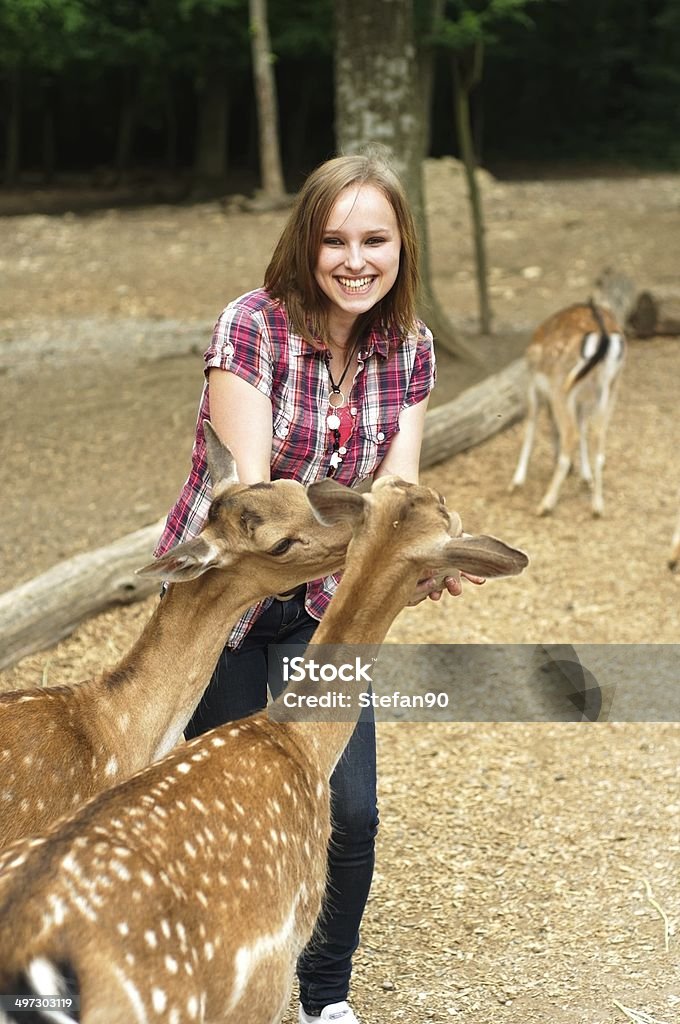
358, 260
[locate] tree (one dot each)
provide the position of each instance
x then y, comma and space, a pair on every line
380, 99
302, 38
466, 34
213, 51
467, 74
621, 60
36, 37
125, 49
118, 81
271, 170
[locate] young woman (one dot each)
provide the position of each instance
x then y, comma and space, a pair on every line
325, 371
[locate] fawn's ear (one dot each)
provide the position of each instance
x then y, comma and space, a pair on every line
333, 503
184, 562
221, 463
482, 555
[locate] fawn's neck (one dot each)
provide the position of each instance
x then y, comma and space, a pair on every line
147, 699
385, 588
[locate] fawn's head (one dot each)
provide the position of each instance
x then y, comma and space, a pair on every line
415, 526
264, 523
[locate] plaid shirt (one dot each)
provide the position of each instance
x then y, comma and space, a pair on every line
254, 340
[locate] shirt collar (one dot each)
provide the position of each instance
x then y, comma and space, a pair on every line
378, 342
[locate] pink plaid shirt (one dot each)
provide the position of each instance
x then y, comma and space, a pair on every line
254, 340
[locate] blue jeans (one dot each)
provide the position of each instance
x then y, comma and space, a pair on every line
238, 687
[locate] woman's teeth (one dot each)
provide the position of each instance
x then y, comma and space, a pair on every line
355, 284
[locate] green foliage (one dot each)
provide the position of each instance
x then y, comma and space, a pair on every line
174, 33
180, 34
301, 28
467, 23
213, 8
47, 34
597, 79
39, 34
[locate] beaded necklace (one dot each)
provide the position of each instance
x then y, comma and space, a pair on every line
339, 421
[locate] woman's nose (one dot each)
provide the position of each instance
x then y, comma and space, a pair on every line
354, 258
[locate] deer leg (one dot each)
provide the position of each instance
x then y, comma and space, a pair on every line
601, 419
565, 419
520, 476
675, 548
586, 471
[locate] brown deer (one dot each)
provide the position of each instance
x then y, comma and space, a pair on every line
575, 359
259, 540
675, 547
186, 893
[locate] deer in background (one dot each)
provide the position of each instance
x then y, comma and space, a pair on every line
236, 822
61, 745
675, 547
575, 359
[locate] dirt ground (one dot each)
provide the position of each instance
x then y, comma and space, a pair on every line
527, 872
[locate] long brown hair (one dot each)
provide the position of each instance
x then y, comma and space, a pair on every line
290, 274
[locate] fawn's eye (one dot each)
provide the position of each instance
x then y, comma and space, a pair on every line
281, 547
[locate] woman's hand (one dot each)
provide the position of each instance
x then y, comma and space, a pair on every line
430, 587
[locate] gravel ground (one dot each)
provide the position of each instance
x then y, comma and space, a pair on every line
527, 872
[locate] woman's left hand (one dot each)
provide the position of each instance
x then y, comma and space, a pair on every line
430, 587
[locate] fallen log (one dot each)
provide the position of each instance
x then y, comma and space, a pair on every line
43, 610
655, 315
477, 413
47, 608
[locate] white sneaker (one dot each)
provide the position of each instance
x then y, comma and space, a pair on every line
340, 1012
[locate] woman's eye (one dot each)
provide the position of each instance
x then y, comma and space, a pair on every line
376, 241
332, 241
281, 547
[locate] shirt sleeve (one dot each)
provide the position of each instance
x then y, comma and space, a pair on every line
424, 373
242, 345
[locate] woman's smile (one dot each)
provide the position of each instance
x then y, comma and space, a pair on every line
355, 285
358, 259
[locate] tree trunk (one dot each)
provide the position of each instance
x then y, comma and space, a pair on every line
46, 609
380, 98
271, 172
127, 122
49, 148
210, 154
431, 309
171, 128
13, 129
300, 128
464, 80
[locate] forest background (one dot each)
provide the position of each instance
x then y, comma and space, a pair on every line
99, 91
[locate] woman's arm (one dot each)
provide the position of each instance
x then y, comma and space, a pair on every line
403, 455
242, 417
